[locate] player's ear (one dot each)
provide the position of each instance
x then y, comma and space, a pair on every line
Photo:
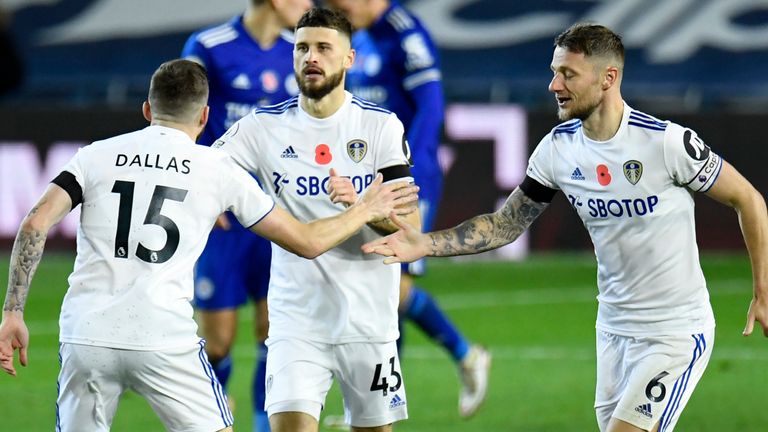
147, 111
611, 77
204, 115
349, 59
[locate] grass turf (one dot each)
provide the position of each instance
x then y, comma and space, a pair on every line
536, 316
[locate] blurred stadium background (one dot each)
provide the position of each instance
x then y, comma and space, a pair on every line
86, 65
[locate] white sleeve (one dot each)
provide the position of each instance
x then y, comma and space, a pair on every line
75, 167
540, 163
240, 142
246, 200
690, 162
392, 149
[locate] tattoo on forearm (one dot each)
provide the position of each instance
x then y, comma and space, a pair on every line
26, 255
488, 231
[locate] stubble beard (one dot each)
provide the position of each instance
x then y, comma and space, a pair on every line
577, 112
319, 92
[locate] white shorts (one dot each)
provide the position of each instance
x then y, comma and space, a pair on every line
179, 385
648, 380
300, 374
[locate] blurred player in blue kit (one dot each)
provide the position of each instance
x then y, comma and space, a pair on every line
248, 60
397, 67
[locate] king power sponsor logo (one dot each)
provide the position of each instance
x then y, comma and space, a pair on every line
667, 31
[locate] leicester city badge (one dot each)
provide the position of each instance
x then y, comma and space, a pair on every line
356, 149
633, 170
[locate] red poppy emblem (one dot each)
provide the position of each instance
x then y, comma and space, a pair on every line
323, 154
603, 175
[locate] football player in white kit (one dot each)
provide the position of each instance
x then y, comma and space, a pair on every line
631, 178
149, 199
334, 316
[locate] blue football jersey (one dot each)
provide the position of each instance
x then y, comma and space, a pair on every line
397, 67
242, 75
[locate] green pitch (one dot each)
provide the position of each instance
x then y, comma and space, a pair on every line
537, 318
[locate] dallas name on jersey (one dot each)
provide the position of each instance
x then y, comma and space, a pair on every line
633, 194
342, 295
149, 200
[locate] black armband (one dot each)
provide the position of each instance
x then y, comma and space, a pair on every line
67, 181
395, 172
537, 191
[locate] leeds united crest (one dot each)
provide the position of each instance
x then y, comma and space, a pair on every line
633, 170
356, 149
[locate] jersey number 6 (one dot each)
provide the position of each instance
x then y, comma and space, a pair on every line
161, 193
656, 383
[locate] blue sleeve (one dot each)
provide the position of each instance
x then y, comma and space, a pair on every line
424, 132
194, 50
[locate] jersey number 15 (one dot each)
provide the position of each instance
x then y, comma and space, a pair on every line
161, 193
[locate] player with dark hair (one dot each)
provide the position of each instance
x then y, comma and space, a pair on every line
334, 317
149, 199
631, 178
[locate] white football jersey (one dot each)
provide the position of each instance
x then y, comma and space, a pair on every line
634, 196
149, 200
343, 295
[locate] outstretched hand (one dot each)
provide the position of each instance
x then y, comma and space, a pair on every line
406, 245
13, 335
758, 311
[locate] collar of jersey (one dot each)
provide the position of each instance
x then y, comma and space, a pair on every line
619, 133
331, 120
169, 131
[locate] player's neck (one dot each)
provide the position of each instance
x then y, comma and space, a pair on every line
191, 131
326, 106
603, 124
262, 24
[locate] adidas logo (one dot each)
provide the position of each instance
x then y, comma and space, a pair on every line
289, 153
645, 410
241, 82
577, 175
396, 402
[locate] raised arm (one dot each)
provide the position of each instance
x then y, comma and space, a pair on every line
479, 234
312, 239
732, 189
25, 256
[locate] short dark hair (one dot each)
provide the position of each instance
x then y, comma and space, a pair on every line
326, 18
592, 40
179, 88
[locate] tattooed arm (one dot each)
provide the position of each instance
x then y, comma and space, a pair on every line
488, 231
25, 256
479, 234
